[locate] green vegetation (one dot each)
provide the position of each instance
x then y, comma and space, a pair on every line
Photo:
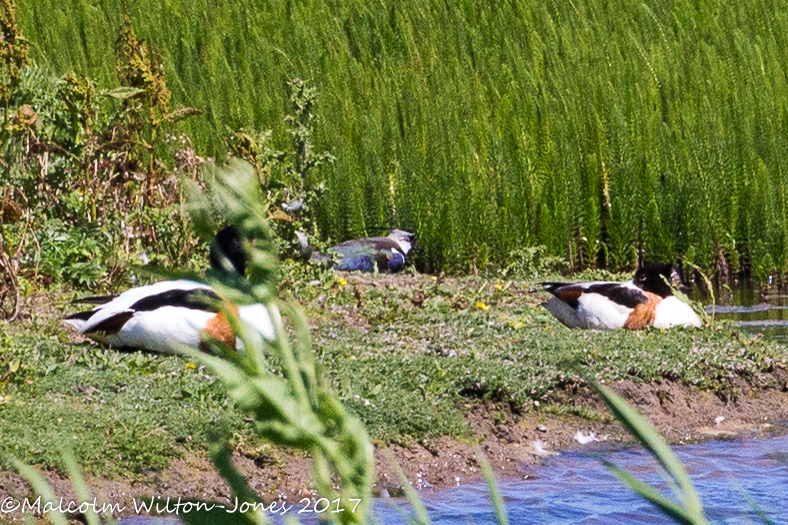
50, 408
91, 178
517, 139
275, 382
88, 179
134, 412
438, 358
605, 133
278, 383
123, 414
689, 510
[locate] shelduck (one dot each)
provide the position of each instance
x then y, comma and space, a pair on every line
646, 300
162, 316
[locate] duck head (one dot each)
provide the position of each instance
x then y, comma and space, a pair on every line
405, 240
652, 279
227, 251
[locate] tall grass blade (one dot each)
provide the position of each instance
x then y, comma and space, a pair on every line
422, 518
78, 482
221, 456
639, 427
42, 488
756, 508
671, 508
492, 486
710, 288
295, 407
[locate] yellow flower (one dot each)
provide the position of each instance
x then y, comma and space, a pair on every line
481, 306
190, 366
342, 282
499, 287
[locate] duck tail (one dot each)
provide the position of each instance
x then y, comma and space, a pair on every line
552, 287
563, 312
99, 299
79, 319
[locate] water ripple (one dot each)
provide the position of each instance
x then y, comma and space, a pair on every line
576, 488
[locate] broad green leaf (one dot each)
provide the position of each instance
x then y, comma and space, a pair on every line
123, 93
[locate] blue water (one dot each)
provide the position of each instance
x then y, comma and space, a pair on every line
733, 477
576, 488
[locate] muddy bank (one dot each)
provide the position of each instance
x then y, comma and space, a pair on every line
681, 413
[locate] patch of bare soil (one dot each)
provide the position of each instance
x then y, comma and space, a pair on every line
515, 444
681, 413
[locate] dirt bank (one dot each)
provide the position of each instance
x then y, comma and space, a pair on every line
437, 364
681, 413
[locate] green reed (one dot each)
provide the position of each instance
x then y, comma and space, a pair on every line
689, 509
607, 133
284, 390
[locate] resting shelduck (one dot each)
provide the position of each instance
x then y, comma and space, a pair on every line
646, 300
162, 316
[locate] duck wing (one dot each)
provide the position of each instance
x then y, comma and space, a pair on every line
98, 299
623, 293
366, 246
203, 299
118, 310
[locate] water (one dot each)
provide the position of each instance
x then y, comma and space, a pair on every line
755, 312
576, 488
733, 477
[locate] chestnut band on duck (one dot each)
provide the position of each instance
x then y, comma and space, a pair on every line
162, 316
646, 300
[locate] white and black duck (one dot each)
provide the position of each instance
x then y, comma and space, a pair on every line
646, 300
162, 316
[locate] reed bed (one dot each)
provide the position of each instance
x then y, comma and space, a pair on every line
608, 133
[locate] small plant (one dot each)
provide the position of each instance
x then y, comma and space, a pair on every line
295, 406
532, 262
145, 104
288, 179
13, 57
74, 255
